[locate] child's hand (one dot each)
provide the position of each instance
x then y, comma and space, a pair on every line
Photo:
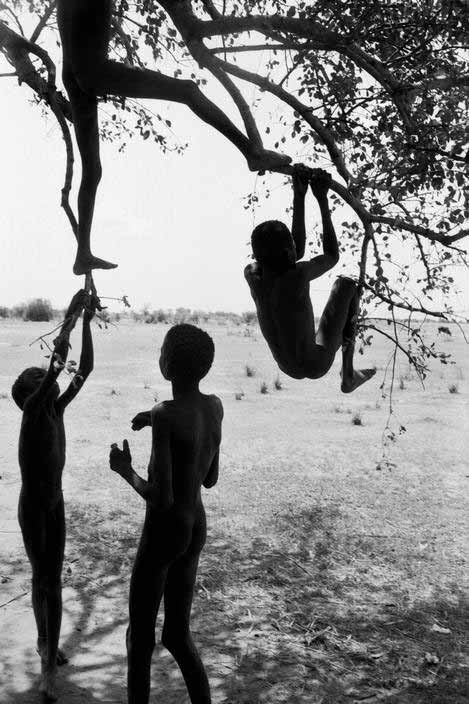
78, 302
141, 420
320, 182
120, 461
301, 179
92, 304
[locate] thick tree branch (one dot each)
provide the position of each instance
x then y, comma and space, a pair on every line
16, 49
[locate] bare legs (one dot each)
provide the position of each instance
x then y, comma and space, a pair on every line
44, 540
175, 579
337, 329
86, 81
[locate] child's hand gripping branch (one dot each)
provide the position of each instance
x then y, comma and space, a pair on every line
42, 458
186, 434
279, 285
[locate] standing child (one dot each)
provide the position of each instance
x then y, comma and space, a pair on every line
186, 434
42, 459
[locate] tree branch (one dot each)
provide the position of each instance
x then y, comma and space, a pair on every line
400, 224
43, 21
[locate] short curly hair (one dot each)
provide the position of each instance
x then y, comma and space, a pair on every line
268, 241
27, 382
189, 352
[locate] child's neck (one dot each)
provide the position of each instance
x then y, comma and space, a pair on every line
181, 389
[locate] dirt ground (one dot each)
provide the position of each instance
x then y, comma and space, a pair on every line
324, 579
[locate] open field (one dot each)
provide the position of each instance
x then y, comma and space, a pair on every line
324, 580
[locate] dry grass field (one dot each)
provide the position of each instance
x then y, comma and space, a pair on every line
324, 579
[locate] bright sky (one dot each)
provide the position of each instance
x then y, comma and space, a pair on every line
175, 224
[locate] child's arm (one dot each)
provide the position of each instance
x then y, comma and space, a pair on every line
86, 358
301, 177
159, 488
61, 347
212, 474
318, 266
141, 420
120, 462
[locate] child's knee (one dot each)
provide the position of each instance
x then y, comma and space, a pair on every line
175, 639
140, 637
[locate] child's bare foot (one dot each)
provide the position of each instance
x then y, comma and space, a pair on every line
47, 685
357, 378
84, 264
41, 649
265, 160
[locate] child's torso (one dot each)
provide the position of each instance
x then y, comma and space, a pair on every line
41, 453
285, 317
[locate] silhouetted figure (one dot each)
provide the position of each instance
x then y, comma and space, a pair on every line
186, 434
42, 459
279, 285
85, 30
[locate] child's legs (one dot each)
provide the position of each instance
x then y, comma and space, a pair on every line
146, 589
176, 635
33, 527
85, 121
335, 314
55, 541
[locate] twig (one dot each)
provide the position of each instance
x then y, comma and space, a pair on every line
15, 598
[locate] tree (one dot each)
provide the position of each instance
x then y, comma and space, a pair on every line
376, 90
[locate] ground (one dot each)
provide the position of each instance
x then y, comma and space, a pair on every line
324, 580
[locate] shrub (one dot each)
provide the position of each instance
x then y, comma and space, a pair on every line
263, 389
250, 371
357, 418
249, 317
4, 312
38, 310
239, 395
453, 389
401, 383
278, 384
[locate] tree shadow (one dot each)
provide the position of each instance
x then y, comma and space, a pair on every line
284, 615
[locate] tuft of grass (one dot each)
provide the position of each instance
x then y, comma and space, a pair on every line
239, 395
249, 371
278, 386
146, 385
263, 389
357, 418
114, 392
453, 389
4, 395
402, 385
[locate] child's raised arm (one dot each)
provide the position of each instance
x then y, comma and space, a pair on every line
301, 177
61, 347
317, 266
86, 357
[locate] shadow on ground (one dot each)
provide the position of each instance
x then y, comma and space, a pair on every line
303, 613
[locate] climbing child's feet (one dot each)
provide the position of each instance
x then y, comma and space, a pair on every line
85, 262
356, 379
265, 160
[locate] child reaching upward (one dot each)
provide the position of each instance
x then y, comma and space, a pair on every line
279, 285
186, 434
42, 459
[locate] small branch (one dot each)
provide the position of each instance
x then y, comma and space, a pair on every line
405, 306
397, 344
43, 21
400, 224
15, 598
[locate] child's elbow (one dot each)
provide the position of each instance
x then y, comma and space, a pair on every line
332, 259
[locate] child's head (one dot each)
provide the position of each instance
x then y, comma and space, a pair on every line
28, 382
273, 245
187, 354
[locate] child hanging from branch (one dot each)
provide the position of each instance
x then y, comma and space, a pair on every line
42, 459
85, 30
186, 436
279, 285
